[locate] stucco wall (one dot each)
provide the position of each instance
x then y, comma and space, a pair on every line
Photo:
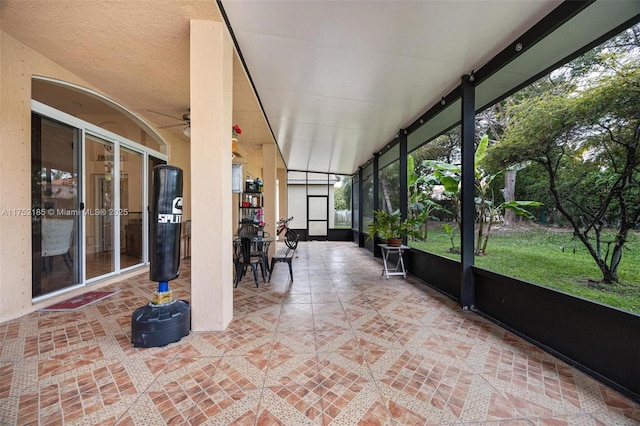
18, 63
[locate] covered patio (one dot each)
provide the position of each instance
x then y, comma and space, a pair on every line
340, 344
340, 90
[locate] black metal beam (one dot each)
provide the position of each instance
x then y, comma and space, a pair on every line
376, 194
360, 209
556, 18
435, 110
467, 291
376, 198
404, 197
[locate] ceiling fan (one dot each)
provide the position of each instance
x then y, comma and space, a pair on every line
185, 121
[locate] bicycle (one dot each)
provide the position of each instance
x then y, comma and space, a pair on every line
290, 236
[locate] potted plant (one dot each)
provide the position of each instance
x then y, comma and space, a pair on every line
391, 228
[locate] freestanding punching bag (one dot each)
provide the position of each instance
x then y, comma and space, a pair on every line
164, 320
166, 223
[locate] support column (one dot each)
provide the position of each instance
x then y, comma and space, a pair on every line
283, 195
468, 290
269, 174
211, 75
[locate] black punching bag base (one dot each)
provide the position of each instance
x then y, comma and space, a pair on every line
158, 325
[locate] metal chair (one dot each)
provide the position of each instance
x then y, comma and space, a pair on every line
291, 241
247, 230
256, 234
245, 257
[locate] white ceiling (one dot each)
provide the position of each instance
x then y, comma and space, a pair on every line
336, 79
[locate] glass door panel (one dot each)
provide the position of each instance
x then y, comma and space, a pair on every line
55, 205
131, 203
100, 206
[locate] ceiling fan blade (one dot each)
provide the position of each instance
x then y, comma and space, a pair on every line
172, 125
166, 115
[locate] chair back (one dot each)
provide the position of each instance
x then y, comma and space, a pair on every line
245, 250
262, 247
291, 240
56, 236
247, 230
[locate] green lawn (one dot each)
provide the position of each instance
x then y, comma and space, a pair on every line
550, 257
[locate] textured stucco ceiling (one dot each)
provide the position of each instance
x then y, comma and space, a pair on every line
134, 52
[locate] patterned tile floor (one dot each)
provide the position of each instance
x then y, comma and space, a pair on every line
339, 346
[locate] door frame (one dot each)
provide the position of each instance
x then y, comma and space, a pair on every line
86, 128
311, 237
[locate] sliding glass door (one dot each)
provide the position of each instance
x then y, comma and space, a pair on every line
55, 204
100, 205
131, 206
89, 202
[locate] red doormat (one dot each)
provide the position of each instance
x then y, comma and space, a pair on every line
79, 301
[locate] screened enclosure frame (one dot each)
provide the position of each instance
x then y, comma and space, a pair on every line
609, 347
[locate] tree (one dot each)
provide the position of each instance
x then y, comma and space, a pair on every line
492, 122
346, 191
488, 210
421, 205
585, 134
450, 176
340, 203
389, 182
